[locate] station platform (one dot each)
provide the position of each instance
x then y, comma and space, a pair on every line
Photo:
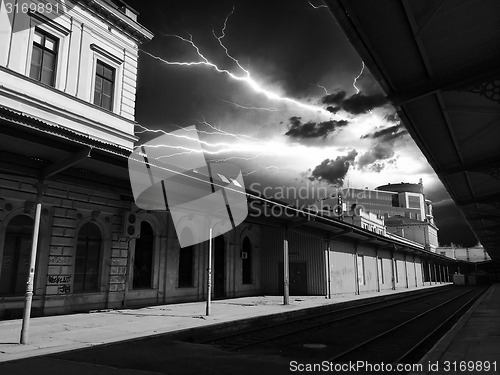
473, 341
54, 334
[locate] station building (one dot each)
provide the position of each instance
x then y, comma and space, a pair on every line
67, 108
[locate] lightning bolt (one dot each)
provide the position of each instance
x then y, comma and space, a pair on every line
245, 77
324, 88
260, 109
318, 6
359, 75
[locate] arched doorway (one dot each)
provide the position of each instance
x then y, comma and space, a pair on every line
143, 258
87, 259
16, 256
246, 262
219, 267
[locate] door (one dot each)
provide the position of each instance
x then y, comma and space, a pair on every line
219, 267
297, 278
16, 256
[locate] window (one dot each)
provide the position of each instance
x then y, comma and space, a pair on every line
104, 85
87, 260
246, 262
143, 259
44, 58
361, 270
186, 263
16, 256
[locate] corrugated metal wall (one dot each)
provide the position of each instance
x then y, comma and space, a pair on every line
400, 268
343, 275
301, 249
420, 276
370, 268
272, 254
386, 269
411, 273
311, 250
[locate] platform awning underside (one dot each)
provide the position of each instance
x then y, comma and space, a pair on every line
439, 64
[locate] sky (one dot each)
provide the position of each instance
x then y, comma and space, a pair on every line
276, 88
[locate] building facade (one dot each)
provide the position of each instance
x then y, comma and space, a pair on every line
67, 102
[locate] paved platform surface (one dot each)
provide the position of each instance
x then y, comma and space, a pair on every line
54, 334
475, 337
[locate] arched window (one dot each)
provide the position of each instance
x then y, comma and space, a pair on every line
246, 262
87, 259
16, 256
186, 263
143, 259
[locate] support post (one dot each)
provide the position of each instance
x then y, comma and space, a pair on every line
328, 270
286, 280
31, 277
430, 274
356, 273
393, 268
415, 271
435, 273
377, 260
422, 268
406, 272
209, 273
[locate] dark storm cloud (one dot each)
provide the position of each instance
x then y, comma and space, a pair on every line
301, 130
334, 171
392, 117
333, 109
380, 151
388, 134
336, 98
355, 104
383, 149
360, 103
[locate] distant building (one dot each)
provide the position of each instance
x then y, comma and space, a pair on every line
473, 254
366, 220
404, 207
422, 232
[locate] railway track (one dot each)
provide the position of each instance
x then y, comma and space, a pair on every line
395, 331
257, 336
408, 340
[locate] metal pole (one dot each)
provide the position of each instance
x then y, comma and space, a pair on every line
415, 270
356, 270
209, 272
31, 277
329, 271
393, 272
406, 272
377, 270
430, 274
286, 281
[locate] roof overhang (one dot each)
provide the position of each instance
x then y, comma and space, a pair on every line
438, 63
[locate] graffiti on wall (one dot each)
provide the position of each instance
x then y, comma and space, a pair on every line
64, 283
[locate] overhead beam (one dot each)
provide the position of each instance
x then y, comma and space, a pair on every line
486, 198
66, 163
457, 80
476, 165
